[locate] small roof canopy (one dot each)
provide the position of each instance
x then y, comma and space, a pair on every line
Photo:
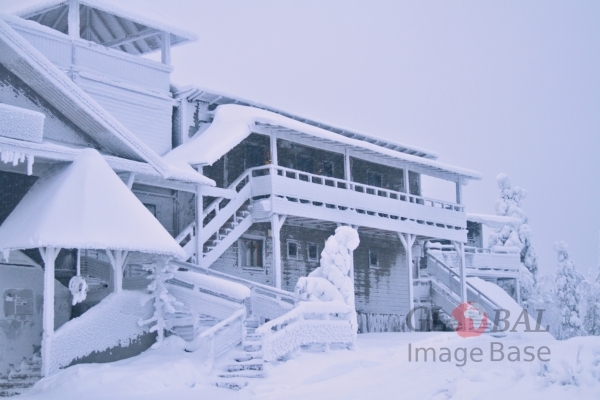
85, 205
493, 221
134, 32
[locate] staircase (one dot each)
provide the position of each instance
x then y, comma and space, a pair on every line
247, 361
446, 293
18, 380
224, 221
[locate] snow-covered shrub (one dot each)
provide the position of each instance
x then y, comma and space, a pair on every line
568, 294
164, 302
509, 205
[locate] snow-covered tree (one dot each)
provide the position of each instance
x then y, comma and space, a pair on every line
509, 205
164, 302
569, 296
590, 293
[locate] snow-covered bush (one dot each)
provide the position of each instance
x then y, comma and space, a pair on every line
164, 302
509, 205
569, 296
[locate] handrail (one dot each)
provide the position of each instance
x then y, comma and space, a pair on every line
252, 285
361, 188
213, 330
479, 293
210, 334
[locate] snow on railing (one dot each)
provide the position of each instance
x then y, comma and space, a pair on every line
111, 323
451, 280
308, 323
478, 260
359, 187
220, 337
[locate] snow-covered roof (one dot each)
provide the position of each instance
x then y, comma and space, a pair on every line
214, 98
135, 31
29, 65
493, 221
232, 123
85, 205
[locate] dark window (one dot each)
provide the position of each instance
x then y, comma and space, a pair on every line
305, 163
414, 183
374, 179
255, 156
328, 168
251, 251
292, 249
373, 259
313, 252
151, 208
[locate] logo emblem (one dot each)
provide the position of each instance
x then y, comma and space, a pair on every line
471, 318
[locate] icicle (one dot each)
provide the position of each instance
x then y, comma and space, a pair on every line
5, 254
30, 160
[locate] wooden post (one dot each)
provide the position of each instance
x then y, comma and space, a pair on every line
199, 225
347, 168
274, 158
408, 240
458, 191
460, 253
117, 260
165, 48
276, 224
73, 19
49, 256
406, 183
518, 290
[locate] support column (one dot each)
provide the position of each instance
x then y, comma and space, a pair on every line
73, 19
165, 48
276, 224
458, 191
347, 168
117, 260
408, 240
518, 290
49, 256
460, 253
273, 149
406, 183
199, 225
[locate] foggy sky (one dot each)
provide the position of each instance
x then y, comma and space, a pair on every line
508, 87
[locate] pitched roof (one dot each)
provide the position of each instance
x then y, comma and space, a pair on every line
233, 123
85, 205
136, 31
22, 59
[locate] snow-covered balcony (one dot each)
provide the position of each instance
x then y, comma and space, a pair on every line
291, 192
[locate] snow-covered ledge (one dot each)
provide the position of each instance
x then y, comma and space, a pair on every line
20, 123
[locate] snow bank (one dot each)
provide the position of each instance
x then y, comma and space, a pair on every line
214, 285
85, 205
111, 323
233, 123
20, 123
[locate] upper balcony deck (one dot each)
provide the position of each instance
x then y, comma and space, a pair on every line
292, 192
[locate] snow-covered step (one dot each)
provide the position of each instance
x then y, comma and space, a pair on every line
232, 384
243, 374
244, 357
253, 337
252, 348
244, 366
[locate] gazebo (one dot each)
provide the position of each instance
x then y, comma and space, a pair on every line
82, 205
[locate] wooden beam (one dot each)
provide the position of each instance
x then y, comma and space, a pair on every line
74, 21
131, 38
165, 48
49, 256
60, 17
408, 240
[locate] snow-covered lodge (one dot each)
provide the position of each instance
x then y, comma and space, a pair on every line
248, 195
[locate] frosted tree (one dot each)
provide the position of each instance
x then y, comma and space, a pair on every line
509, 205
164, 302
591, 294
569, 296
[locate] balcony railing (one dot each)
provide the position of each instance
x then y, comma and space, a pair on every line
293, 192
357, 187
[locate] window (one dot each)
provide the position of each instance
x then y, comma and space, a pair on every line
255, 156
374, 179
328, 168
305, 163
312, 251
414, 183
292, 249
373, 259
251, 252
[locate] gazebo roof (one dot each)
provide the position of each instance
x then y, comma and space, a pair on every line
85, 205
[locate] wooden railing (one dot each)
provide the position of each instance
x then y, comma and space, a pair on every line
482, 262
308, 323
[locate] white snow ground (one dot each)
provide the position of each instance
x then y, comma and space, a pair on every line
377, 369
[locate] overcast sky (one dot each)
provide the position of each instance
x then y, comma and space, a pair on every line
510, 86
